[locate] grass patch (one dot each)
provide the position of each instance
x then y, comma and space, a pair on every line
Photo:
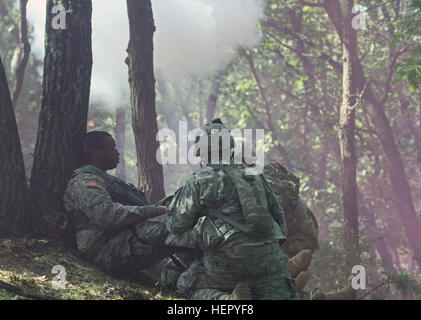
28, 264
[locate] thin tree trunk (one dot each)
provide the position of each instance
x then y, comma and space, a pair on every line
404, 103
120, 138
142, 90
313, 101
214, 92
284, 154
13, 189
379, 244
184, 100
212, 99
64, 110
418, 127
375, 109
25, 49
347, 146
166, 111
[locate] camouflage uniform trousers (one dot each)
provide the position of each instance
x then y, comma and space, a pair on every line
150, 256
144, 254
218, 274
305, 238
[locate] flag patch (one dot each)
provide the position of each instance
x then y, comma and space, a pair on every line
93, 184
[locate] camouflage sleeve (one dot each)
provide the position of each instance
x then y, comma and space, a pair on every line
275, 207
89, 195
185, 208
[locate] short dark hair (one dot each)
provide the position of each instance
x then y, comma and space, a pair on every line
92, 141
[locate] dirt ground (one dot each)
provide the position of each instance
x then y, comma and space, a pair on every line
28, 265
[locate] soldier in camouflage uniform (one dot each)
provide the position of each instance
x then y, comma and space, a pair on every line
302, 237
114, 224
240, 226
302, 226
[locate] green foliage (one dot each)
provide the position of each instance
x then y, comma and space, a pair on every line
406, 284
304, 89
410, 69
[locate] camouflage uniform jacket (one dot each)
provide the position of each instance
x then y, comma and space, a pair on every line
209, 190
94, 214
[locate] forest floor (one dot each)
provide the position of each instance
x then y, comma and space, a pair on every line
27, 266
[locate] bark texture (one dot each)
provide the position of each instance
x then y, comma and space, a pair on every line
347, 144
64, 110
120, 139
13, 189
142, 90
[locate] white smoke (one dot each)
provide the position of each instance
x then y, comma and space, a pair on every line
110, 35
36, 11
200, 36
192, 37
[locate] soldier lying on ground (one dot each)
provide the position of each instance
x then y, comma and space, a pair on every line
114, 224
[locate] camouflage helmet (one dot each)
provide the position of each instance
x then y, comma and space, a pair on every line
215, 129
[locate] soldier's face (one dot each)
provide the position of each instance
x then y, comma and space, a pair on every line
110, 157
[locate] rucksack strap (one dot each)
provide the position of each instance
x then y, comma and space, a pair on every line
216, 214
230, 221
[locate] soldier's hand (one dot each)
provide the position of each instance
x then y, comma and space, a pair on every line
168, 200
160, 210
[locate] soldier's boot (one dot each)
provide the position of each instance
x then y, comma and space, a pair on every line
299, 263
347, 293
302, 279
241, 292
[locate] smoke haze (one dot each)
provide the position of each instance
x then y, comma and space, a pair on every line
193, 37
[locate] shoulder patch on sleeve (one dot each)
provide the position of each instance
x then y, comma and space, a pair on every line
96, 185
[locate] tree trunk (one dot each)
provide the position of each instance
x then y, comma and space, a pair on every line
25, 49
214, 92
120, 138
172, 122
142, 91
375, 109
379, 244
283, 152
347, 145
213, 98
13, 189
64, 110
404, 103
